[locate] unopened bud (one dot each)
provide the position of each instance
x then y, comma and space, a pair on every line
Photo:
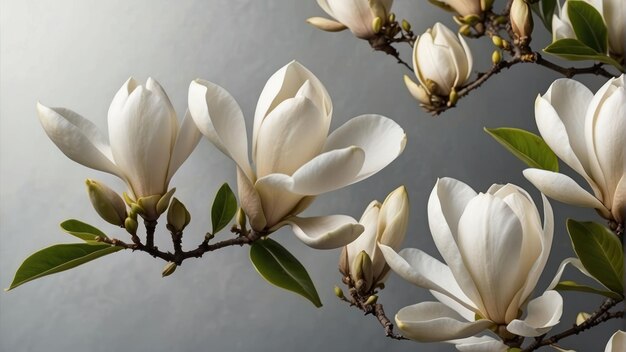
164, 201
406, 26
465, 29
470, 19
418, 92
496, 57
108, 204
371, 300
521, 21
392, 17
363, 270
131, 225
168, 269
377, 24
497, 41
177, 216
325, 24
339, 292
582, 317
454, 97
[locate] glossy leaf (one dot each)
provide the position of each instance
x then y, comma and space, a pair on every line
527, 146
573, 286
545, 10
575, 50
600, 252
59, 258
223, 209
588, 25
279, 267
82, 230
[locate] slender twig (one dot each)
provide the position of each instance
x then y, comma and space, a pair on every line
600, 316
150, 228
569, 72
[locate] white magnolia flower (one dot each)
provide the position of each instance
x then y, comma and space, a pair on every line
495, 249
614, 14
384, 223
295, 158
465, 7
617, 342
146, 145
441, 60
357, 15
587, 132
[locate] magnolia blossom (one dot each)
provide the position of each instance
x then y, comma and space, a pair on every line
521, 21
384, 223
357, 15
614, 14
465, 7
495, 249
146, 144
441, 60
587, 132
617, 342
295, 158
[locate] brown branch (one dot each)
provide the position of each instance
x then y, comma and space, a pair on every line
150, 228
569, 72
600, 316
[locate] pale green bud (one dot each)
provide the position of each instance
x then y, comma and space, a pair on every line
168, 269
371, 300
406, 26
581, 317
377, 24
108, 204
496, 56
363, 270
392, 17
241, 219
339, 292
470, 19
486, 4
465, 29
497, 41
131, 225
177, 216
454, 97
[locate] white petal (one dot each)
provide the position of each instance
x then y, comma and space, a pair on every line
355, 14
77, 138
328, 171
285, 84
562, 188
434, 321
156, 88
367, 241
490, 239
617, 342
292, 134
446, 204
618, 209
276, 197
325, 232
560, 117
467, 314
219, 118
434, 62
424, 271
141, 141
480, 344
186, 141
561, 27
544, 312
250, 201
119, 100
576, 263
381, 138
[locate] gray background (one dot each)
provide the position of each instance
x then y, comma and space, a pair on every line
76, 54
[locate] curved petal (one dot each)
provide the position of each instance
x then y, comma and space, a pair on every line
78, 138
292, 134
446, 204
325, 232
422, 270
434, 62
576, 263
434, 321
467, 314
328, 171
562, 188
250, 201
618, 209
284, 84
560, 118
276, 197
219, 118
367, 240
355, 14
156, 88
141, 141
381, 138
480, 344
617, 342
186, 141
544, 312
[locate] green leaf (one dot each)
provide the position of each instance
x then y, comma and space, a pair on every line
545, 10
573, 286
82, 230
575, 50
528, 147
59, 258
279, 267
588, 25
224, 208
600, 252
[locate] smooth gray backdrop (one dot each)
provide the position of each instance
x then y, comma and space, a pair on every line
77, 54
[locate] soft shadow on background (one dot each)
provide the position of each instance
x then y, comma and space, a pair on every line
76, 54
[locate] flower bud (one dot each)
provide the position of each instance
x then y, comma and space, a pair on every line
377, 24
417, 91
371, 300
496, 56
168, 269
453, 97
497, 41
465, 29
339, 292
325, 24
363, 270
131, 225
406, 26
392, 17
441, 60
107, 203
521, 21
177, 216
